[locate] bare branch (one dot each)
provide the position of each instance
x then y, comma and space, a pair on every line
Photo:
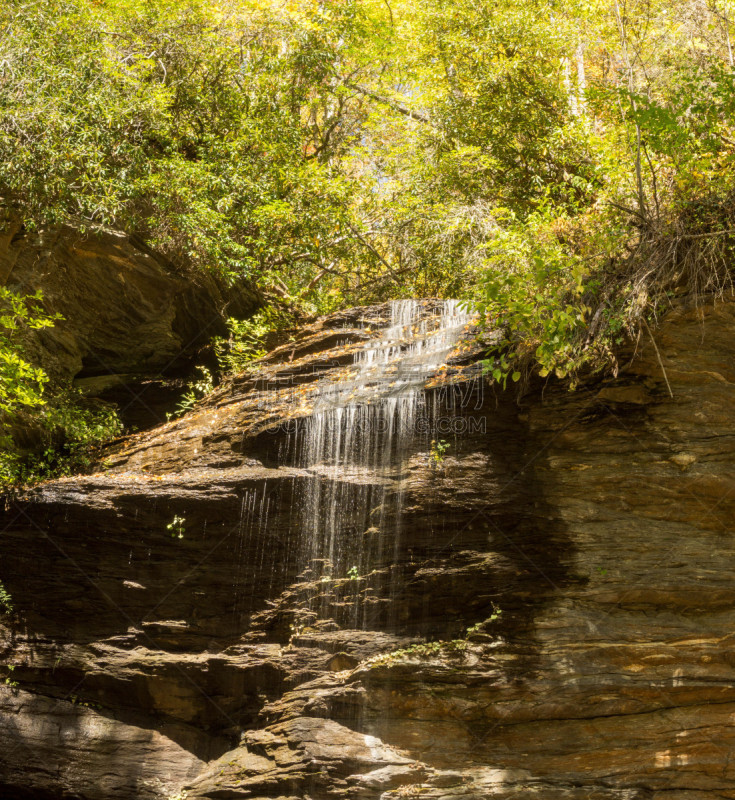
394, 104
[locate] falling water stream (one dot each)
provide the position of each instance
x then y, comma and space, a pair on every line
355, 447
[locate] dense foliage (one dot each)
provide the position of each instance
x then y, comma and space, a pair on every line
40, 434
565, 166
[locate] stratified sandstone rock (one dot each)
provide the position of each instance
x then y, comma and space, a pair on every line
126, 311
584, 538
65, 749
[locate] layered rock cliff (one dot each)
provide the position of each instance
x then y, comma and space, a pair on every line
543, 607
128, 317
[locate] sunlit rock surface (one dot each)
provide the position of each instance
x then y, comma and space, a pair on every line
248, 651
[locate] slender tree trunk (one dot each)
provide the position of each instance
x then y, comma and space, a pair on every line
726, 22
581, 79
571, 94
631, 88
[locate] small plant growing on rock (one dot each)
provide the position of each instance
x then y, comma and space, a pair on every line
245, 342
6, 601
438, 450
176, 527
452, 647
409, 790
195, 391
353, 573
479, 627
8, 680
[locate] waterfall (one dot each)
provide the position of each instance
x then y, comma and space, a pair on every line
355, 446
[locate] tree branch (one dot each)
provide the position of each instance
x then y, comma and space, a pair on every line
396, 106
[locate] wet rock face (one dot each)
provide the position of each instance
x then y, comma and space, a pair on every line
582, 538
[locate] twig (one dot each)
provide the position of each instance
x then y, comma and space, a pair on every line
372, 249
394, 104
706, 235
658, 356
627, 210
